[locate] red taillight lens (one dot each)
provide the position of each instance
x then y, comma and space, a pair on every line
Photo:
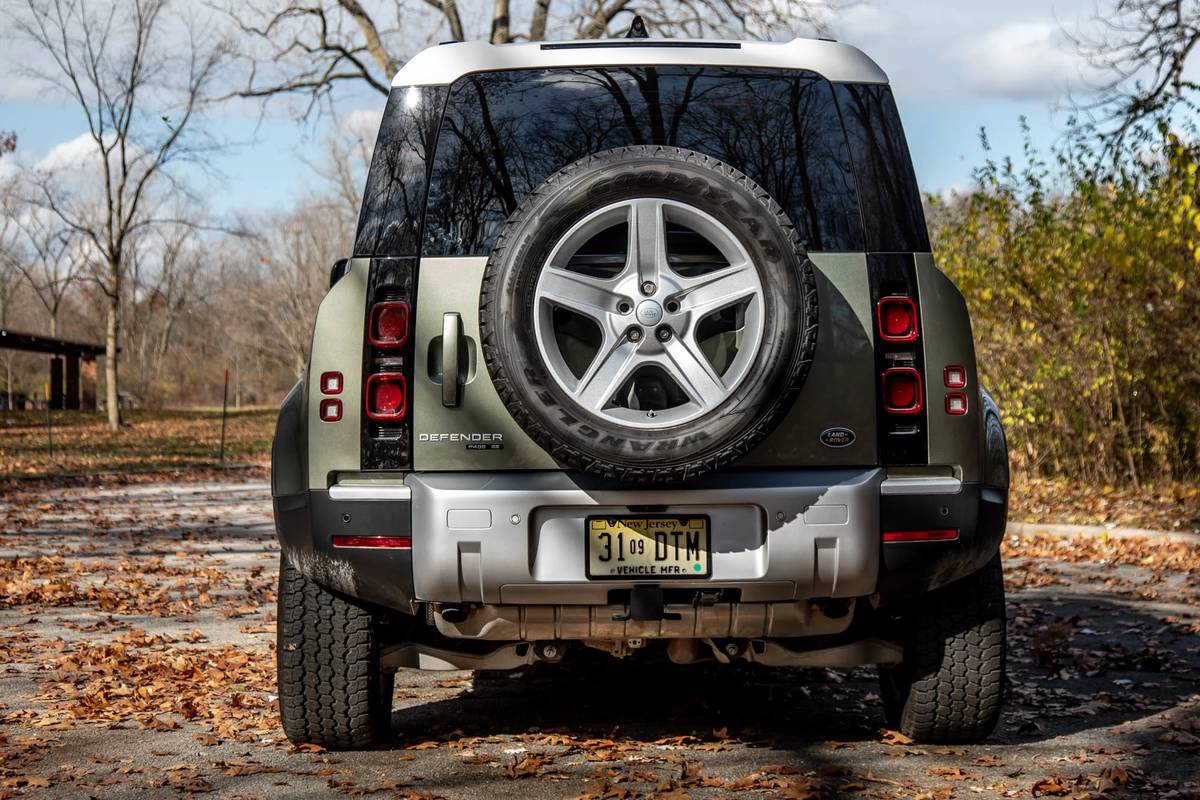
897, 318
331, 410
389, 324
387, 397
920, 536
902, 391
394, 542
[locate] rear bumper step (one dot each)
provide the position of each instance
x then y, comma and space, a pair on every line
513, 540
516, 539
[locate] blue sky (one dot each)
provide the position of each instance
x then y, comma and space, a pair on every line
954, 67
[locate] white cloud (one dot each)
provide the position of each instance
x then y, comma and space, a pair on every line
1021, 60
77, 153
863, 21
362, 123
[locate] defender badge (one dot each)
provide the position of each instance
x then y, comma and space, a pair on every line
837, 437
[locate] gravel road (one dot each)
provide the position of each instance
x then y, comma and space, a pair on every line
136, 637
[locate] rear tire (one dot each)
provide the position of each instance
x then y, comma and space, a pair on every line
950, 685
332, 692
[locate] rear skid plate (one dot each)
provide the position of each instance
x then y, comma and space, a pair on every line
681, 651
427, 657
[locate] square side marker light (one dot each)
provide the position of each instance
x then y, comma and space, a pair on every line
331, 383
955, 377
331, 410
956, 404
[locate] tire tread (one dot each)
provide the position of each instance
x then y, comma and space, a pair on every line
950, 687
331, 690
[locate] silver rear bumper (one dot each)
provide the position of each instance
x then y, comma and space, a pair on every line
515, 539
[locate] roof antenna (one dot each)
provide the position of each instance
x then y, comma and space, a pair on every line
637, 29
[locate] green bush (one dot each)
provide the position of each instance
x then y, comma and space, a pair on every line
1082, 280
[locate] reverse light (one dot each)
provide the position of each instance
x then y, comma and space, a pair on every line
956, 404
387, 542
389, 324
387, 397
331, 410
897, 318
955, 377
902, 391
943, 535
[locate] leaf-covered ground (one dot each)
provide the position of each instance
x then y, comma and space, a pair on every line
177, 445
81, 443
137, 629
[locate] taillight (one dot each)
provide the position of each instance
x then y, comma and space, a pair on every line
897, 319
391, 542
955, 377
389, 324
943, 535
902, 391
387, 397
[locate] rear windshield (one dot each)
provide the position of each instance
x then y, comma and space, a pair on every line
503, 133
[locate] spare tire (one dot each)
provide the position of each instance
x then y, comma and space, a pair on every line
648, 314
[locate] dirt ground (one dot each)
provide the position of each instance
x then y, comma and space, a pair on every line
136, 637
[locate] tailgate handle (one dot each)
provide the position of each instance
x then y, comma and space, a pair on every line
451, 335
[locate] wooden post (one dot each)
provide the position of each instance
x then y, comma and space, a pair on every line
55, 398
224, 413
72, 397
49, 428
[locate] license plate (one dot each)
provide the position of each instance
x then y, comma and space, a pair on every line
648, 547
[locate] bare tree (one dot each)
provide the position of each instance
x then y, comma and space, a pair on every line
140, 78
312, 48
167, 269
52, 258
280, 289
1140, 49
10, 278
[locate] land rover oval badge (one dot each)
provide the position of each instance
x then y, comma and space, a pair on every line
837, 437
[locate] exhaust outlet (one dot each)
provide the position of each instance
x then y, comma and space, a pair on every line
455, 615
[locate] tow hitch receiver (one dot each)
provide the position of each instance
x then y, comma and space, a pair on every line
645, 605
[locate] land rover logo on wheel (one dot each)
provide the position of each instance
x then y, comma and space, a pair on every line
837, 437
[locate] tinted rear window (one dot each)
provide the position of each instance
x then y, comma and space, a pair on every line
891, 203
389, 221
504, 133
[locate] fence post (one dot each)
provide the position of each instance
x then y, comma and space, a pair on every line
49, 431
224, 412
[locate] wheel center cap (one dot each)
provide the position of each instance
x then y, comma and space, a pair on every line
649, 312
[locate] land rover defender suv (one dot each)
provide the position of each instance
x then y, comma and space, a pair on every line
641, 349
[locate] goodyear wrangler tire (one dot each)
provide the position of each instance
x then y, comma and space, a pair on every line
648, 314
950, 686
331, 690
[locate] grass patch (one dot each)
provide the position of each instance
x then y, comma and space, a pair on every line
149, 440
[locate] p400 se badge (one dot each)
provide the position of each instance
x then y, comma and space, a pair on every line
837, 437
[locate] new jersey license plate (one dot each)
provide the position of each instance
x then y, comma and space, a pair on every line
648, 547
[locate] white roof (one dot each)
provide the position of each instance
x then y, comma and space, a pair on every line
446, 63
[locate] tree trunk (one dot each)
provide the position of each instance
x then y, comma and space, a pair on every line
111, 392
1116, 393
537, 28
500, 33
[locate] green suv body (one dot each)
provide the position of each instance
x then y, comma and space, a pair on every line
641, 348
